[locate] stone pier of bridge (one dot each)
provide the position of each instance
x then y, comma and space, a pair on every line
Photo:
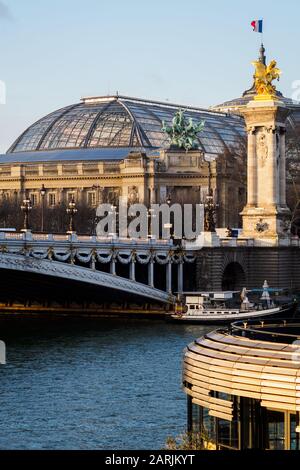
234, 267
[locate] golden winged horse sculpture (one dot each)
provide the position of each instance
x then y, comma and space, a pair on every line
263, 77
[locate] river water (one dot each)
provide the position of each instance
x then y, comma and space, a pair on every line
92, 384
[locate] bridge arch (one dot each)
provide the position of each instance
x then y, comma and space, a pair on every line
234, 276
99, 280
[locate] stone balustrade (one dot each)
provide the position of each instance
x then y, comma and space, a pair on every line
91, 251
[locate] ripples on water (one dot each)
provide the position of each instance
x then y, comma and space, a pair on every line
92, 384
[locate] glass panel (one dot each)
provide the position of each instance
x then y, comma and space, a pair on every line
208, 426
72, 128
228, 433
91, 198
294, 436
34, 199
52, 199
228, 430
275, 430
196, 417
70, 197
33, 135
113, 129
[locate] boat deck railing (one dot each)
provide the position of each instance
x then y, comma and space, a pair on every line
285, 330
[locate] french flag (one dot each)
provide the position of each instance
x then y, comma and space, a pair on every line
257, 26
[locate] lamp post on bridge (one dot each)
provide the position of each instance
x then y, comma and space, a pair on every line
210, 210
43, 194
209, 205
26, 208
71, 211
170, 225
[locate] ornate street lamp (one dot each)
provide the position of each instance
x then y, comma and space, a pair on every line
71, 211
171, 224
43, 194
26, 208
209, 205
96, 219
209, 212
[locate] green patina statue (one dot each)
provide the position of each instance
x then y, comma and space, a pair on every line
183, 132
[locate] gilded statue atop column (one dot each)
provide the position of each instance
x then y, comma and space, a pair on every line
263, 77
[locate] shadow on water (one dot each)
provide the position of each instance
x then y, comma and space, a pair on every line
92, 383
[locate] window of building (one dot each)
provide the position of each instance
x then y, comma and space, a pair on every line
71, 196
91, 198
294, 436
196, 417
34, 199
275, 430
52, 199
208, 431
228, 433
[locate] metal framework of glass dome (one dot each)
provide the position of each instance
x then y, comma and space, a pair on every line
120, 121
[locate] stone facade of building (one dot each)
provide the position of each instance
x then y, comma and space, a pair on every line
131, 158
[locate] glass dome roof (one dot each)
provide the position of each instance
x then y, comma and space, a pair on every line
119, 121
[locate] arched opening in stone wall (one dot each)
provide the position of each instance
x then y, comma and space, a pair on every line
234, 277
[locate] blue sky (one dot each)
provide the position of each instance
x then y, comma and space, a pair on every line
53, 52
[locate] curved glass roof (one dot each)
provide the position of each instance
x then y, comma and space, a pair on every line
120, 121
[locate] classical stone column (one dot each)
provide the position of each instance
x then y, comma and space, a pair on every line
180, 277
132, 268
151, 273
113, 264
266, 215
271, 160
169, 277
251, 168
152, 195
282, 167
93, 261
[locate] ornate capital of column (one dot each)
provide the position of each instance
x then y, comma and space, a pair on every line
271, 129
251, 129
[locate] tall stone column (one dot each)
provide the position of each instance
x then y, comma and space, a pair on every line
152, 195
282, 168
251, 168
266, 215
272, 192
